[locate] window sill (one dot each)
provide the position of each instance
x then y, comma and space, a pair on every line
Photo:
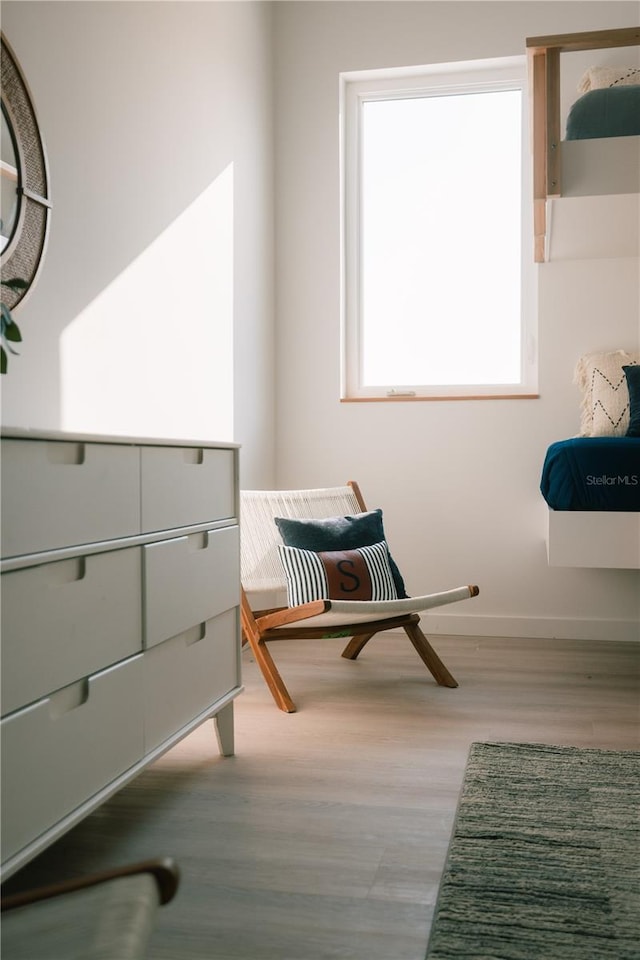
404, 398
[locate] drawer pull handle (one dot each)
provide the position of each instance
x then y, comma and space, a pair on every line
198, 541
66, 454
194, 456
68, 698
67, 571
195, 634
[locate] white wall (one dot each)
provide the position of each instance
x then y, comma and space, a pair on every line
458, 481
153, 314
154, 311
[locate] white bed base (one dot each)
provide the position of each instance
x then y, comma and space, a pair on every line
593, 539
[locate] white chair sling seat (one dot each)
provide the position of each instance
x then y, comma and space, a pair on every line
337, 614
262, 574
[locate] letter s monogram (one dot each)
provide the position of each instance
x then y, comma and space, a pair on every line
347, 573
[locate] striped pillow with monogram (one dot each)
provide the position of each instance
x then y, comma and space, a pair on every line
360, 574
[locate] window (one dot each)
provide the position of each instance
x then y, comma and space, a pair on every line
438, 266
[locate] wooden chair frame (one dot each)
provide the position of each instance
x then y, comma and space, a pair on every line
69, 918
164, 870
261, 626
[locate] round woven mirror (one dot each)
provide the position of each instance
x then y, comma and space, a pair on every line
26, 205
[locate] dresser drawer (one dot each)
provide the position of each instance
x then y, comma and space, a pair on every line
187, 674
188, 580
65, 620
63, 493
186, 485
60, 751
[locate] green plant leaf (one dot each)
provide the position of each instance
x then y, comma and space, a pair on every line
16, 283
9, 329
10, 348
12, 332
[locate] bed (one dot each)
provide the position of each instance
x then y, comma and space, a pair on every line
592, 473
591, 483
607, 112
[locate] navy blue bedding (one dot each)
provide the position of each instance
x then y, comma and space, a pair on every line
592, 473
607, 112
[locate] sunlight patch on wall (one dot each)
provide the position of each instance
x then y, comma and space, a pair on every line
152, 354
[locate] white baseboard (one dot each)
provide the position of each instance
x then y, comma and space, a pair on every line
563, 628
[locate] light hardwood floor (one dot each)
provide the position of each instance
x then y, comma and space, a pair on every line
325, 836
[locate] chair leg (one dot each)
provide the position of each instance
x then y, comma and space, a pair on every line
264, 660
272, 676
355, 645
429, 657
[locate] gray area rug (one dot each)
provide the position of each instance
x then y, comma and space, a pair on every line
544, 859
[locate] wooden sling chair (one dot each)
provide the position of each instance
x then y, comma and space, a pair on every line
262, 573
102, 915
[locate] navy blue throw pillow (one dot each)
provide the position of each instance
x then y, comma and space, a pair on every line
632, 373
339, 533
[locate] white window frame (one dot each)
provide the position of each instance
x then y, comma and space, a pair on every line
356, 88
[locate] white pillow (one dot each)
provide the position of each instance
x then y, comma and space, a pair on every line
605, 395
597, 77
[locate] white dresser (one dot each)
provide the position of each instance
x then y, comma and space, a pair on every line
120, 617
